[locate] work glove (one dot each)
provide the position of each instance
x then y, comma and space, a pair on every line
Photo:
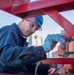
51, 41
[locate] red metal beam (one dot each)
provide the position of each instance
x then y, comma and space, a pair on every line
30, 14
59, 8
14, 74
64, 23
58, 61
64, 7
9, 3
19, 6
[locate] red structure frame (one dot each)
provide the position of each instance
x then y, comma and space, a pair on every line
27, 8
58, 61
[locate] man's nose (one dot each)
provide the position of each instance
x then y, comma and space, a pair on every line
33, 30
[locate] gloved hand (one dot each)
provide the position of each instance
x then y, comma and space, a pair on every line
51, 41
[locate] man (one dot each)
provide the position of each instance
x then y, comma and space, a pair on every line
15, 56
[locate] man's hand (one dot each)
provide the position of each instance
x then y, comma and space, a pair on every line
68, 68
51, 41
53, 71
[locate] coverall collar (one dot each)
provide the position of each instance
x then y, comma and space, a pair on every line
18, 30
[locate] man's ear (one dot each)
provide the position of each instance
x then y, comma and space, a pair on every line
22, 19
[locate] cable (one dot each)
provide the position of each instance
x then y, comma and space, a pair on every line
38, 63
2, 63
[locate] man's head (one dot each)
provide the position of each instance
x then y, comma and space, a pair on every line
29, 25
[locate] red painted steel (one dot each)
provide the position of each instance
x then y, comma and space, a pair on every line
64, 23
58, 61
16, 74
18, 6
30, 14
59, 8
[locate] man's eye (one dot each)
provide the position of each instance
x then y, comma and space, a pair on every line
36, 28
32, 25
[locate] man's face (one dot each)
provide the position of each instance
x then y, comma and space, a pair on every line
29, 27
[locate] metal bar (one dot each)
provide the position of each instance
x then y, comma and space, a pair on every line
63, 22
59, 8
15, 74
13, 6
58, 61
30, 14
64, 7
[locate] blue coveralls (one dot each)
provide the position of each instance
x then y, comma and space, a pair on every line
12, 46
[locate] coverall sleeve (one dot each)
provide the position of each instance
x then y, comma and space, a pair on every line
10, 51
